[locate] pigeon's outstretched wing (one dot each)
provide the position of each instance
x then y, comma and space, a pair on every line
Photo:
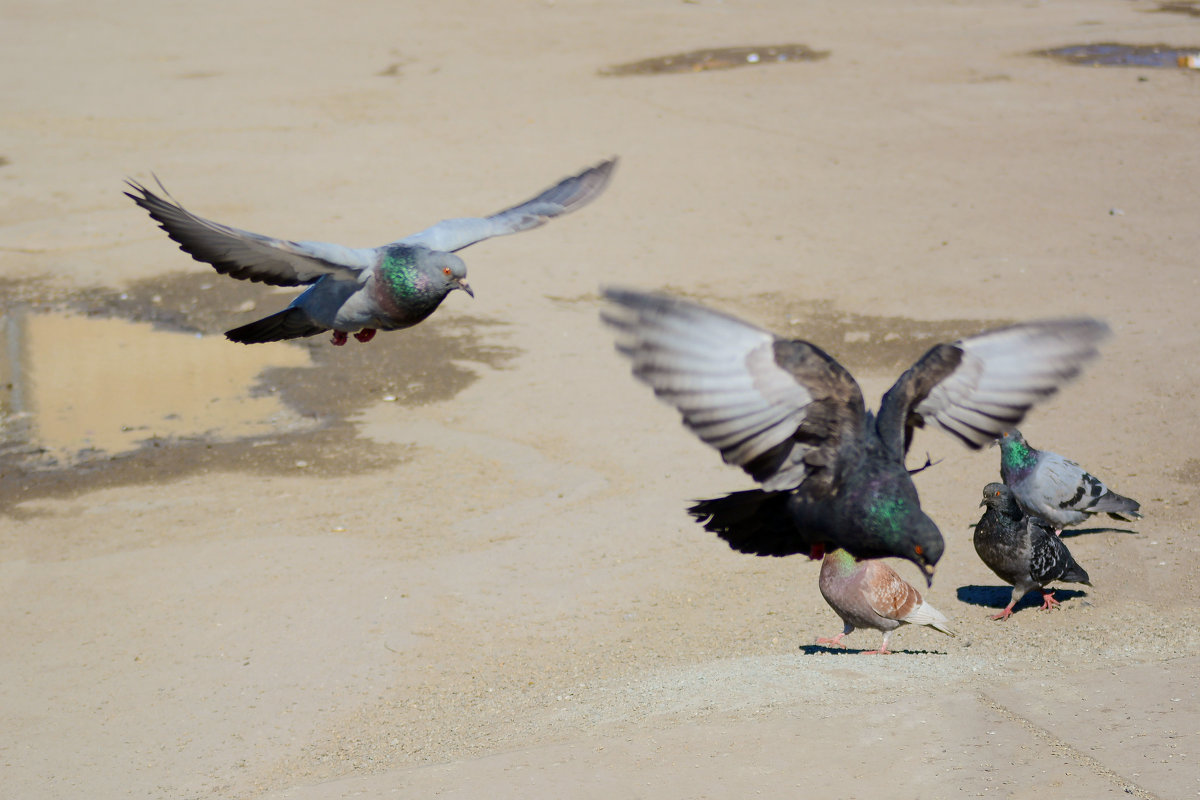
983, 385
778, 409
250, 256
564, 197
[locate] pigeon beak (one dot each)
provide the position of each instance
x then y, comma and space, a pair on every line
466, 287
928, 570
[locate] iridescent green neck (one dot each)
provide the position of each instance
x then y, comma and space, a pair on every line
1016, 453
885, 515
399, 272
841, 561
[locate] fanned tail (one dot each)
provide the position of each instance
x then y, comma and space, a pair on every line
754, 522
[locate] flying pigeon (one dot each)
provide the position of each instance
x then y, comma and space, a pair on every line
1055, 488
832, 474
360, 290
1022, 549
869, 594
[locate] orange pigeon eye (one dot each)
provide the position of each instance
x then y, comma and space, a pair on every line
445, 270
918, 549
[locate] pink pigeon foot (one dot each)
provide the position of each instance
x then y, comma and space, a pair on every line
834, 642
1048, 601
882, 651
365, 335
1005, 614
339, 338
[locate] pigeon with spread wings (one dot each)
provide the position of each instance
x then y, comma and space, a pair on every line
832, 473
358, 290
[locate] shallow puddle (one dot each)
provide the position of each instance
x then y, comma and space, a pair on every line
717, 58
76, 385
102, 388
1111, 54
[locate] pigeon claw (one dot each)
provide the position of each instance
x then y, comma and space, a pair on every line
1005, 614
834, 642
339, 338
365, 335
1048, 601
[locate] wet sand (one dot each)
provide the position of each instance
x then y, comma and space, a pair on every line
462, 567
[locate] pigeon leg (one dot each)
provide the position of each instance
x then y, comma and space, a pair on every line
365, 335
837, 640
1048, 601
339, 338
883, 648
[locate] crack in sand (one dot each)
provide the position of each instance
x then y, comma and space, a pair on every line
1083, 759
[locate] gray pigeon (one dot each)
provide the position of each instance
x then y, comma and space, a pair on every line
1055, 488
359, 290
833, 473
1022, 550
869, 594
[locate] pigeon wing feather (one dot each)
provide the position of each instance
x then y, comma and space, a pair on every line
564, 197
981, 386
777, 409
250, 256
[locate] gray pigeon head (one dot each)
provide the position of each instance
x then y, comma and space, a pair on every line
1010, 437
1000, 497
449, 269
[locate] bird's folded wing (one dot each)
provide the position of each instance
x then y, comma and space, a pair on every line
723, 376
562, 198
887, 593
981, 386
251, 256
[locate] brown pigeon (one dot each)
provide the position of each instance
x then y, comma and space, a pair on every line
869, 594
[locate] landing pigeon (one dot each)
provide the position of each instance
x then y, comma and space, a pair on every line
1022, 550
1055, 488
869, 594
832, 473
359, 290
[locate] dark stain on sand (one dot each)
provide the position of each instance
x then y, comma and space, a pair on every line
1114, 54
718, 58
861, 342
309, 390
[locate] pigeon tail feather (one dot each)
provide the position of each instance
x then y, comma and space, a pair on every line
926, 614
291, 323
752, 521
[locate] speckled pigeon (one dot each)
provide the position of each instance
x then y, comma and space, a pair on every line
1022, 550
1055, 488
869, 594
833, 473
365, 289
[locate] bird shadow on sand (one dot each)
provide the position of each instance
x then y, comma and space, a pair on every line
1069, 533
997, 597
820, 649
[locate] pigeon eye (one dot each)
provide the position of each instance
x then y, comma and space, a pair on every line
446, 271
919, 549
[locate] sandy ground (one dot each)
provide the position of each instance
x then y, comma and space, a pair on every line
495, 591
